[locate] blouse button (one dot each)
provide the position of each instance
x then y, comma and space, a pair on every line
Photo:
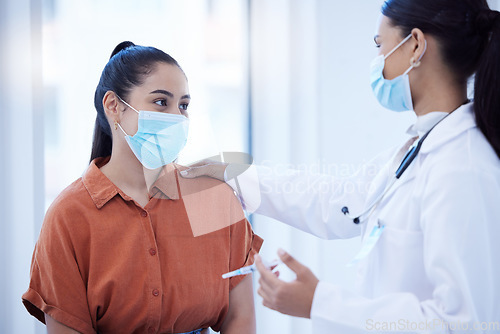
152, 251
144, 214
156, 293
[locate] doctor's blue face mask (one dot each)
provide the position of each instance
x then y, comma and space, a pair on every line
159, 138
393, 94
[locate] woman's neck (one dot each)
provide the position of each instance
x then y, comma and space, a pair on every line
440, 95
124, 170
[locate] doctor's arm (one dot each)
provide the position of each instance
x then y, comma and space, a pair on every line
459, 258
311, 202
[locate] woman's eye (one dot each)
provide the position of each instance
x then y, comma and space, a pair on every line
162, 102
184, 106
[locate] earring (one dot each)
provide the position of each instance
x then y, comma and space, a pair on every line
414, 63
116, 125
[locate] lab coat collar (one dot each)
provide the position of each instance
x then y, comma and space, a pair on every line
425, 123
453, 125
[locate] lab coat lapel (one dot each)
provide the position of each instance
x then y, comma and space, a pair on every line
456, 123
390, 171
459, 121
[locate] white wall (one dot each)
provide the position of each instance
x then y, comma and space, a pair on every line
21, 147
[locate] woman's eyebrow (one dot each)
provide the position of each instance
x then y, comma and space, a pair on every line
167, 93
164, 92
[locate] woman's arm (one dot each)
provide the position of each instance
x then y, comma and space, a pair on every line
241, 315
55, 327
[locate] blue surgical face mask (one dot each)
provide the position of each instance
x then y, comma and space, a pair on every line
393, 94
159, 137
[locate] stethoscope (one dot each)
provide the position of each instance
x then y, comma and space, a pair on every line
407, 160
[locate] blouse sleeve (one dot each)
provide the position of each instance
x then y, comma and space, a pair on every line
244, 245
57, 287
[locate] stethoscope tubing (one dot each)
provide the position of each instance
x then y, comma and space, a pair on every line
407, 161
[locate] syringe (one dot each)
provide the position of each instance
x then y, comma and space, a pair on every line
249, 269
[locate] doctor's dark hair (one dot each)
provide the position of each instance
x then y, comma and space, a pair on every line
127, 68
468, 32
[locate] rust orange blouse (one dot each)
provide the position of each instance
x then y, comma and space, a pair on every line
104, 264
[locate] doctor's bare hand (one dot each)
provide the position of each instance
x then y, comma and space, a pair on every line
292, 298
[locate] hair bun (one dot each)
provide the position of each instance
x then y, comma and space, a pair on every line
486, 20
120, 47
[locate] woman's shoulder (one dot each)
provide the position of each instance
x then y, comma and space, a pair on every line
470, 151
71, 204
72, 194
211, 204
64, 221
206, 184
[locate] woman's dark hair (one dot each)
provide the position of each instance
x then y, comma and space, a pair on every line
127, 68
469, 35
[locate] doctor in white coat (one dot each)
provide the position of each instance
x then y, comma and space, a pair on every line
431, 249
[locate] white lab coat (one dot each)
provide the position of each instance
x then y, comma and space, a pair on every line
436, 267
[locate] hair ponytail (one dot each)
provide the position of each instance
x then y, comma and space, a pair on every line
127, 67
487, 81
102, 142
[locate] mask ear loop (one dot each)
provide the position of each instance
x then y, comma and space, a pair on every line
398, 46
416, 63
118, 124
128, 105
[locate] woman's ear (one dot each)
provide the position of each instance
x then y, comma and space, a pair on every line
419, 48
111, 106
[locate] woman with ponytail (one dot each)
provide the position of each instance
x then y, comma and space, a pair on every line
430, 221
131, 247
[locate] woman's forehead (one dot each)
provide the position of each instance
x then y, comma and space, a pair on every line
382, 25
167, 77
385, 29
